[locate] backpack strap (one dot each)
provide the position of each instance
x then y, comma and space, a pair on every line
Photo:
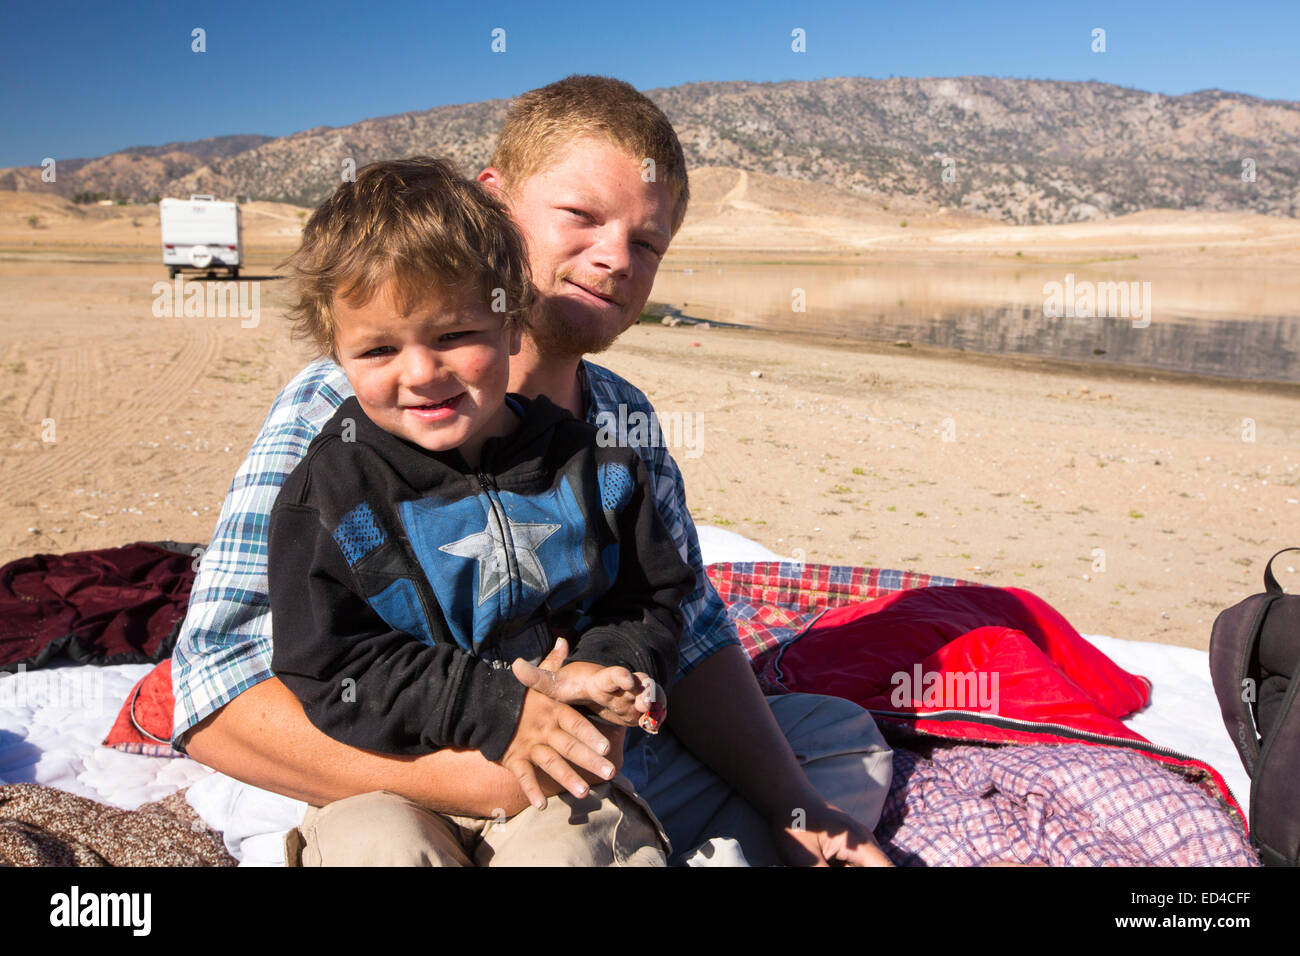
1270, 582
1233, 670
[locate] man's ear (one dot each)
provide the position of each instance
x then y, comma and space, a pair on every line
492, 180
516, 338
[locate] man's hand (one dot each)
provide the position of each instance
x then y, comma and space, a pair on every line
824, 835
554, 738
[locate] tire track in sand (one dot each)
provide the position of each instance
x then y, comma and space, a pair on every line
80, 389
39, 394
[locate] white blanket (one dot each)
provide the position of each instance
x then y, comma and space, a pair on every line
53, 720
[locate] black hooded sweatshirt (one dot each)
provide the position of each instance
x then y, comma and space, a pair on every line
403, 582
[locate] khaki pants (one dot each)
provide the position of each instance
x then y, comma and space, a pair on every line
611, 826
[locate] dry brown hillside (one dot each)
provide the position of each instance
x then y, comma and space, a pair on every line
1021, 151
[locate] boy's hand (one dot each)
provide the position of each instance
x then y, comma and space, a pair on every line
828, 837
614, 694
619, 696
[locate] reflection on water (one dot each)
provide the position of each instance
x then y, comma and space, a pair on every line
1235, 325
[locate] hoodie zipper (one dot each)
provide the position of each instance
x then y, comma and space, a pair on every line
498, 515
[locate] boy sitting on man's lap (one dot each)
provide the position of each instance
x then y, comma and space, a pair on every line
439, 529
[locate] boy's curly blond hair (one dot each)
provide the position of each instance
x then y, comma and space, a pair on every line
414, 224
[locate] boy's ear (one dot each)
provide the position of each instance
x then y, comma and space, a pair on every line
516, 338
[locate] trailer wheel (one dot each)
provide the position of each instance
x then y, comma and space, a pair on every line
171, 272
234, 272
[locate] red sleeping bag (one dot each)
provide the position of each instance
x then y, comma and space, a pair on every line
972, 663
998, 651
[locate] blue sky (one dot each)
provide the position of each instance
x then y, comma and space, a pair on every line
83, 79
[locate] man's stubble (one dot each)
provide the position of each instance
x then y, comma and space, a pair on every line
556, 335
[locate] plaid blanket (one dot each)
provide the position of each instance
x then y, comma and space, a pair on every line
773, 602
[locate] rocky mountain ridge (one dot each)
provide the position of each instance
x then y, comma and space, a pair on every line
1022, 151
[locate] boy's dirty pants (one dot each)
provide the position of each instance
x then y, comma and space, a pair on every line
611, 826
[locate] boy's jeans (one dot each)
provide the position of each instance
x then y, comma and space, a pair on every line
836, 742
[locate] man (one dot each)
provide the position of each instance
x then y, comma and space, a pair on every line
593, 174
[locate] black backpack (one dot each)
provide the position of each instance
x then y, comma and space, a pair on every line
1255, 666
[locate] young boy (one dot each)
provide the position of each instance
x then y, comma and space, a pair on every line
439, 529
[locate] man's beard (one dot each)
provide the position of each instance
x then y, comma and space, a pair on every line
557, 335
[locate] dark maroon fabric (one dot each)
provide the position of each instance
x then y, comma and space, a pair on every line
112, 606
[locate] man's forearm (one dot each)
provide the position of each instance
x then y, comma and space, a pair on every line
718, 713
263, 738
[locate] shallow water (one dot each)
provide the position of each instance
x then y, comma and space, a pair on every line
1231, 323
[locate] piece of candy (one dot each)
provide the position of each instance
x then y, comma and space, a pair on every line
656, 702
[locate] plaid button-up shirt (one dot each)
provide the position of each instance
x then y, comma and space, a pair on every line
224, 646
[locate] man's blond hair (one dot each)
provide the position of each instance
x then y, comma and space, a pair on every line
415, 225
542, 122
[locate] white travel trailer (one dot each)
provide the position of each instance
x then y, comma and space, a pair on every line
200, 233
